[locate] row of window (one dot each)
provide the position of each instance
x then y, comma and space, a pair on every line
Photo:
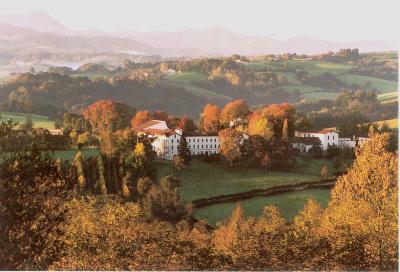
202, 140
202, 146
204, 152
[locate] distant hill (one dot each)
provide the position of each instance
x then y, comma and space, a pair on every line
19, 38
50, 34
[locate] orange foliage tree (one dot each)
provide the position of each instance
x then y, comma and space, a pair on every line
211, 116
141, 117
234, 110
107, 116
230, 141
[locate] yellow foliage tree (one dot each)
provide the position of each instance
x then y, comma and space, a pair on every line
361, 217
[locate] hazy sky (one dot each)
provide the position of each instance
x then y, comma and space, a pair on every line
336, 20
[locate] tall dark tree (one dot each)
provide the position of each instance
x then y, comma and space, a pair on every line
184, 150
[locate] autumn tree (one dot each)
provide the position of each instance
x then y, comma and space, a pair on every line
361, 218
230, 142
234, 110
160, 115
32, 196
141, 117
261, 126
178, 163
186, 124
107, 116
211, 118
143, 185
324, 172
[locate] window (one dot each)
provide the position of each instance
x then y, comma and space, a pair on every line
206, 146
198, 140
177, 141
189, 140
206, 140
328, 137
202, 140
215, 146
333, 137
172, 141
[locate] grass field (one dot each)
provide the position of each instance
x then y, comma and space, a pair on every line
38, 120
289, 205
65, 155
314, 68
71, 153
381, 85
185, 81
188, 77
202, 180
312, 92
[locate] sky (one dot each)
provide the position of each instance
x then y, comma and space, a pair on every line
334, 20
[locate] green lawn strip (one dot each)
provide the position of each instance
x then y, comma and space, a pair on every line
289, 205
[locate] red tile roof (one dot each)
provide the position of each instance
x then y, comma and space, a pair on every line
154, 131
321, 131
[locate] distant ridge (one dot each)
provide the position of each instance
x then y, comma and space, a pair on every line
188, 42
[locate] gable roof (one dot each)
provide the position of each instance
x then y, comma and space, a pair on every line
321, 131
148, 124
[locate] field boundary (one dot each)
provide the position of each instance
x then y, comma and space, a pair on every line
323, 183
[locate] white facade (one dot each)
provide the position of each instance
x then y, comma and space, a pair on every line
347, 142
327, 137
203, 144
166, 141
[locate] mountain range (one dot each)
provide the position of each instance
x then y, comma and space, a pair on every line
41, 32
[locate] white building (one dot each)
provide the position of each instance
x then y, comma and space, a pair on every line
328, 137
347, 142
166, 141
203, 144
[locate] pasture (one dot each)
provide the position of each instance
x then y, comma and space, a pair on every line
381, 85
202, 180
289, 205
38, 120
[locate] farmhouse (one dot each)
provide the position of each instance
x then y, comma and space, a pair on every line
324, 138
166, 141
328, 137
